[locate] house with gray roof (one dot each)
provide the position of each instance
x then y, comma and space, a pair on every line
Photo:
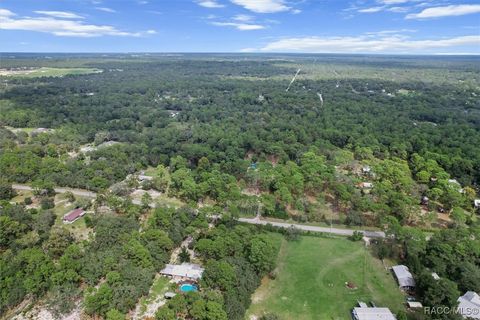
184, 271
367, 313
469, 305
404, 277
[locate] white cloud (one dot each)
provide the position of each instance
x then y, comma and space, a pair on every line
246, 50
446, 11
210, 4
296, 11
368, 44
105, 9
59, 14
242, 17
239, 26
371, 10
397, 6
263, 6
6, 13
389, 2
398, 9
61, 27
242, 22
393, 31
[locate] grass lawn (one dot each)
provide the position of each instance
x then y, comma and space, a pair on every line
50, 72
21, 195
311, 276
78, 228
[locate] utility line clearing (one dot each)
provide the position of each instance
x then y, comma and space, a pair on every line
293, 80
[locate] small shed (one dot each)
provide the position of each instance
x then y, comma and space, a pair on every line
366, 170
414, 304
169, 295
476, 203
425, 200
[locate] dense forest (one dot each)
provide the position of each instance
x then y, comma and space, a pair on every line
383, 142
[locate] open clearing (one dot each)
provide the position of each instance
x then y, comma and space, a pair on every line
47, 72
310, 281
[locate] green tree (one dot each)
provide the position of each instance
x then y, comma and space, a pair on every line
184, 255
114, 314
262, 253
98, 301
6, 190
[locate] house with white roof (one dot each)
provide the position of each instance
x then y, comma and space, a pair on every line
366, 313
404, 277
476, 203
184, 271
469, 305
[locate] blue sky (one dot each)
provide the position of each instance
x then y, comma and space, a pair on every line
324, 26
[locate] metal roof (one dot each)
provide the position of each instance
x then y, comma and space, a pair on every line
74, 214
188, 270
373, 314
404, 277
469, 305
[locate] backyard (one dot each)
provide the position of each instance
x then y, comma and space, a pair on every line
312, 276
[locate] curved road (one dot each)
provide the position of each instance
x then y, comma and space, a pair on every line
342, 232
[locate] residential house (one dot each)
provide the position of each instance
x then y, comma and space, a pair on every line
184, 271
363, 312
404, 277
73, 215
469, 305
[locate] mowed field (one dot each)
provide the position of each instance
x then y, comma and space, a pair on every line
311, 277
47, 72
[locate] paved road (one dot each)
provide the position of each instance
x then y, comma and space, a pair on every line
342, 232
257, 220
76, 192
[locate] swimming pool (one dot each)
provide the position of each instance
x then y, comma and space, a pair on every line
188, 287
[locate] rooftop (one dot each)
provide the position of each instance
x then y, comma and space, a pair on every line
74, 215
404, 277
372, 314
469, 305
414, 304
188, 270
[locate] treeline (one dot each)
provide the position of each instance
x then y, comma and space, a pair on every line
223, 117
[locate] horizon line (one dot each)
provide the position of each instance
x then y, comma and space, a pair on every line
246, 53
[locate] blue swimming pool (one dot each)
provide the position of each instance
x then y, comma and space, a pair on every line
188, 287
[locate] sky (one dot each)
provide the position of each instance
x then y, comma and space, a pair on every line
296, 26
